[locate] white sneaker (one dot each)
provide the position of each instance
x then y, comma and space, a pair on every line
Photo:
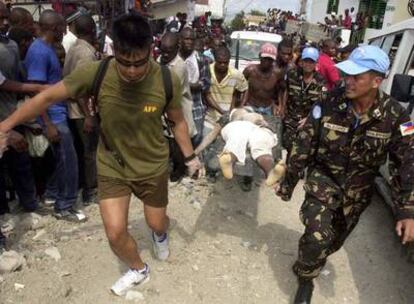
161, 249
130, 279
49, 202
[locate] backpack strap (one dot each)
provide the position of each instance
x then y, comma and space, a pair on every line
96, 86
168, 86
168, 89
100, 75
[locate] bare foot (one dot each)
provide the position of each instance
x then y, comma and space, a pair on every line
276, 174
226, 165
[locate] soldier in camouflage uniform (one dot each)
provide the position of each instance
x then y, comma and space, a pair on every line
343, 143
305, 87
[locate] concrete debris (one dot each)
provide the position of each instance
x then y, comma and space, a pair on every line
40, 233
325, 272
249, 214
11, 261
64, 238
196, 204
18, 286
135, 296
32, 221
64, 274
287, 252
223, 206
54, 253
246, 244
68, 291
1, 279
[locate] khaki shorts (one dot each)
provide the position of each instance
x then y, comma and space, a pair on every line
261, 142
153, 191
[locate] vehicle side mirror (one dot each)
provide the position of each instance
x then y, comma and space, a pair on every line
403, 88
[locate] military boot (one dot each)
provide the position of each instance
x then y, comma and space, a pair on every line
304, 292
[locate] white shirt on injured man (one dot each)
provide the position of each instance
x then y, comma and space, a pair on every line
240, 134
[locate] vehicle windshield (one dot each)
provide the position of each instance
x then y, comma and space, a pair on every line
249, 49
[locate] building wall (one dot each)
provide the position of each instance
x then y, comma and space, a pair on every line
169, 8
347, 4
316, 11
396, 11
216, 7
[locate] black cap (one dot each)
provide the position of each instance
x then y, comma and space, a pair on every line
76, 14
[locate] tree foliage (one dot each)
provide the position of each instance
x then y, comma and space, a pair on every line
237, 23
254, 12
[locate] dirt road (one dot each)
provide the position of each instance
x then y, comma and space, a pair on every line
227, 246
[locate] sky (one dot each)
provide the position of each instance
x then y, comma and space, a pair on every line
235, 6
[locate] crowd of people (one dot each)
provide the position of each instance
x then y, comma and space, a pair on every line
276, 20
109, 127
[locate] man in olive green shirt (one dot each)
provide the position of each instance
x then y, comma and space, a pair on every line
131, 102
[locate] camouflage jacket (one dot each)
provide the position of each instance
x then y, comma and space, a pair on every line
302, 96
343, 154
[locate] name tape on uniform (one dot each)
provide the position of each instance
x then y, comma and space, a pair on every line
337, 128
379, 135
407, 128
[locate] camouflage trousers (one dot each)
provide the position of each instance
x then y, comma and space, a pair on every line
288, 137
325, 232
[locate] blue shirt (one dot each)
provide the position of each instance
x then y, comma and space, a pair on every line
42, 65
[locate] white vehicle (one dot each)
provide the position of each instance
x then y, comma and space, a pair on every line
245, 47
398, 42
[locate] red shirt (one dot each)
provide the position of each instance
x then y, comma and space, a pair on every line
326, 67
348, 22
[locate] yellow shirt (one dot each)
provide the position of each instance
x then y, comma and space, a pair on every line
223, 91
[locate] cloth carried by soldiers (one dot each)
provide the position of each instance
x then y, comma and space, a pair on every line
300, 101
130, 118
343, 152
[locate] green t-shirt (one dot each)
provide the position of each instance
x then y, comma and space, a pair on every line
130, 119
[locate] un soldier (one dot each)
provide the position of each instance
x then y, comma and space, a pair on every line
343, 143
305, 87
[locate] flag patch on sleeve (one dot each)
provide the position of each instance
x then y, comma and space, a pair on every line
407, 128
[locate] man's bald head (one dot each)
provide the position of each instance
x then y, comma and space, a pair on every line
169, 47
170, 39
50, 19
187, 31
329, 47
52, 26
4, 18
19, 17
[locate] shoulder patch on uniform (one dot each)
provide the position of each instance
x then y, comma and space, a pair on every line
316, 112
335, 127
407, 128
343, 106
295, 87
377, 113
379, 135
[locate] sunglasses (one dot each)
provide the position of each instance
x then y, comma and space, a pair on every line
135, 64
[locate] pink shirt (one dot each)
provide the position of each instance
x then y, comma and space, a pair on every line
326, 67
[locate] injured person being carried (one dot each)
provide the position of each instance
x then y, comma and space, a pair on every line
244, 130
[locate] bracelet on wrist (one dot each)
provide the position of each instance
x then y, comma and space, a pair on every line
190, 158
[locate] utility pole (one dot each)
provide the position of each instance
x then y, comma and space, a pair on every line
303, 4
